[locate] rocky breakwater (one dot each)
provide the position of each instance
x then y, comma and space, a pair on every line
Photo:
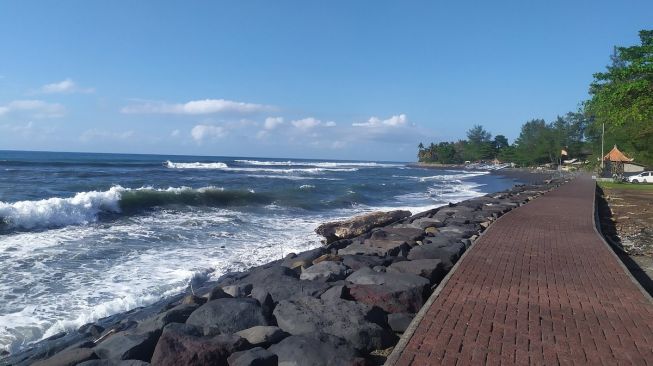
346, 303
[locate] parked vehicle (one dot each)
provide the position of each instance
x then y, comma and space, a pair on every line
643, 177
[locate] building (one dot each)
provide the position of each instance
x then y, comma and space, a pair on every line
616, 163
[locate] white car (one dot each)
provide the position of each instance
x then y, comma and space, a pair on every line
643, 177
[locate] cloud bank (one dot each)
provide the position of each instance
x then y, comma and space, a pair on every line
197, 107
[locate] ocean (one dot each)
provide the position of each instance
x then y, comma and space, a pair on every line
84, 236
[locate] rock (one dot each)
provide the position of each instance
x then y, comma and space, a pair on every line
253, 357
317, 349
357, 262
129, 345
390, 297
367, 276
265, 299
447, 250
357, 323
325, 271
304, 259
425, 222
238, 290
327, 257
377, 247
358, 225
69, 357
398, 233
431, 269
228, 315
335, 292
178, 314
193, 300
262, 335
114, 363
282, 283
180, 345
218, 293
461, 231
399, 322
90, 330
431, 231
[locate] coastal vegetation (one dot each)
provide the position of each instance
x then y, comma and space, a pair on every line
621, 101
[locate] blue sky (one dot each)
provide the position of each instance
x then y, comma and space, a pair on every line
317, 79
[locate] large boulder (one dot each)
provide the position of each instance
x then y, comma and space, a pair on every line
261, 335
399, 322
178, 314
129, 345
368, 276
357, 323
253, 357
357, 262
315, 349
281, 283
70, 357
106, 362
325, 271
181, 344
397, 233
228, 315
445, 249
431, 269
393, 292
377, 247
358, 225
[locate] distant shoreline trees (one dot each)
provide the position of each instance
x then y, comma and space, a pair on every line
621, 99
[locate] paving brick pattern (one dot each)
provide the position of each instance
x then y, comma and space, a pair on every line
539, 288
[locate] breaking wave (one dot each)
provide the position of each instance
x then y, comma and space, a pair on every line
225, 167
325, 164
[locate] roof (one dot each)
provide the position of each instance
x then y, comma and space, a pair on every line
616, 155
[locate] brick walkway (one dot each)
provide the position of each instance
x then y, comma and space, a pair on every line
540, 287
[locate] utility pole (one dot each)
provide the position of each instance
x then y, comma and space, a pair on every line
602, 135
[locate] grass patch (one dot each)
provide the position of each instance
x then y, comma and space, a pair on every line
629, 186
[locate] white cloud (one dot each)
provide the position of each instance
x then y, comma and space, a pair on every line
196, 107
394, 121
330, 124
66, 86
36, 108
175, 133
273, 122
306, 123
202, 131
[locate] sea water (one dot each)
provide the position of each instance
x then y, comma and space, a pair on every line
84, 236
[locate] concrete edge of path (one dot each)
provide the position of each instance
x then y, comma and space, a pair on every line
393, 358
611, 248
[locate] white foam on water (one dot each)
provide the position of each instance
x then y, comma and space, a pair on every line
83, 208
225, 167
324, 164
64, 278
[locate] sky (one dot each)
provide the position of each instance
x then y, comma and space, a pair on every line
337, 79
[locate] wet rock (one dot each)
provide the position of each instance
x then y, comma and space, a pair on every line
358, 225
283, 283
228, 315
317, 349
69, 357
431, 269
181, 345
357, 323
399, 322
325, 271
262, 335
178, 314
253, 357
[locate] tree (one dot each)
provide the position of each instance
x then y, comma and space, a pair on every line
500, 142
478, 135
622, 99
536, 143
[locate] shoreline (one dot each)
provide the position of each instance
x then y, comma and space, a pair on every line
94, 335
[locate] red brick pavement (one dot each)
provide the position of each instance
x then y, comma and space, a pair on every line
539, 287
